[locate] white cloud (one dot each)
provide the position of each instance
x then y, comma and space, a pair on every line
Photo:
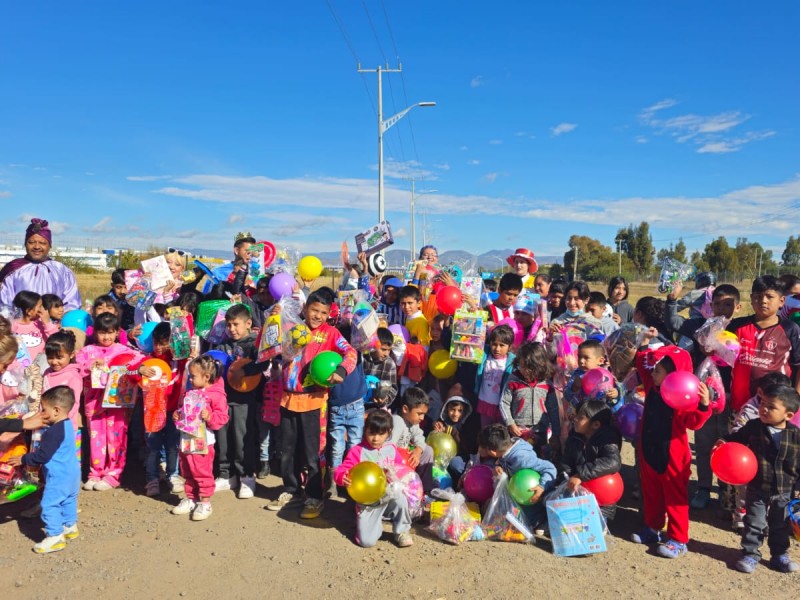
442, 167
562, 128
640, 139
495, 142
399, 233
733, 144
477, 81
101, 226
463, 148
148, 177
490, 177
474, 162
235, 219
5, 194
403, 170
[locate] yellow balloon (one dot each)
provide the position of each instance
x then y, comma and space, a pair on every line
367, 483
309, 267
441, 365
443, 445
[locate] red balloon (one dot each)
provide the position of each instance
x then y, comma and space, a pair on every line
449, 300
680, 390
734, 463
122, 360
479, 483
606, 489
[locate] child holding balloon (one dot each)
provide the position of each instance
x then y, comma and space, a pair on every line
663, 447
776, 445
371, 507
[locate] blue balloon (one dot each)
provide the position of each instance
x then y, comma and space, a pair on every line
145, 339
223, 358
77, 318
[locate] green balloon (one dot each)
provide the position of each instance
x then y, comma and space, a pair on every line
521, 484
322, 367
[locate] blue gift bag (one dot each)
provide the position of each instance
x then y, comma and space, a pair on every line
576, 525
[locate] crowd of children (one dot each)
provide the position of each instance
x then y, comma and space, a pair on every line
227, 419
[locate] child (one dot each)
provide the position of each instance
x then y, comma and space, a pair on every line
167, 439
555, 300
198, 469
618, 299
56, 456
34, 326
503, 306
302, 404
455, 412
493, 374
406, 433
598, 307
415, 363
390, 302
663, 448
378, 363
776, 444
526, 310
107, 305
62, 370
512, 455
237, 439
698, 301
529, 406
108, 427
649, 311
576, 296
592, 449
377, 448
541, 285
591, 356
54, 306
118, 291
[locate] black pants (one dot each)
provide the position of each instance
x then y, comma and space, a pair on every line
300, 449
237, 442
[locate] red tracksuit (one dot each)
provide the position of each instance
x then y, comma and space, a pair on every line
198, 469
664, 455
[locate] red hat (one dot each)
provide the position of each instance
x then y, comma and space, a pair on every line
525, 254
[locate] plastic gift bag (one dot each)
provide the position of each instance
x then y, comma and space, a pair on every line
715, 340
207, 313
363, 333
708, 373
504, 520
673, 272
576, 524
458, 524
294, 332
408, 482
180, 339
621, 346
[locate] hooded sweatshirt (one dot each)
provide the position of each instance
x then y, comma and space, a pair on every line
72, 377
464, 416
394, 312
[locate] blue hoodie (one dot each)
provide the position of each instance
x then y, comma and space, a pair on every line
522, 456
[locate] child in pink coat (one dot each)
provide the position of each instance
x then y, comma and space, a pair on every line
108, 427
34, 326
198, 469
62, 370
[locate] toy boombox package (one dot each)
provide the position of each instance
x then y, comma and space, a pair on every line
375, 238
469, 335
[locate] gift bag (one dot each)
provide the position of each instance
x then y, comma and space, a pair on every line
459, 523
576, 525
504, 520
410, 485
295, 334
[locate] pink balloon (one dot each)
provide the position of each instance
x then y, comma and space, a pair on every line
479, 483
281, 285
518, 332
680, 390
597, 382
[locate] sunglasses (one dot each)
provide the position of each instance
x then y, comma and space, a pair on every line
177, 251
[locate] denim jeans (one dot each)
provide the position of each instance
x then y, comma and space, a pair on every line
264, 438
347, 419
765, 514
167, 440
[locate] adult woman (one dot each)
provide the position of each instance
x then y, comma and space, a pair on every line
37, 272
524, 265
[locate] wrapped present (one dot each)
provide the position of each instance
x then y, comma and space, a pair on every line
455, 522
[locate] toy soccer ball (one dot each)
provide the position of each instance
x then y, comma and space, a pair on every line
300, 335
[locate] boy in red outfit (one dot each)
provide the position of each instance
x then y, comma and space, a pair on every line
664, 455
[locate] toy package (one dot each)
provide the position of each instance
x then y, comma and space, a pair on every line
140, 295
576, 524
472, 287
375, 239
469, 335
295, 334
191, 426
157, 269
673, 272
256, 269
180, 338
504, 520
621, 346
121, 390
269, 339
207, 314
458, 523
363, 334
347, 301
15, 482
409, 484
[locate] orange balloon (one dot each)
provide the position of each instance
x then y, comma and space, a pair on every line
238, 380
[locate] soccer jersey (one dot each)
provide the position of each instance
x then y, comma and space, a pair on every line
776, 348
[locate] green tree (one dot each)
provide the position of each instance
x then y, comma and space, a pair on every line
679, 253
637, 244
753, 259
720, 257
791, 254
698, 261
596, 262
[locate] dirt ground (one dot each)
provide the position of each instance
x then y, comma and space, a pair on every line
131, 547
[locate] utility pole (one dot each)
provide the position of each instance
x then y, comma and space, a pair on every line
575, 263
619, 256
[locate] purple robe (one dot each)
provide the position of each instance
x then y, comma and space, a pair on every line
48, 277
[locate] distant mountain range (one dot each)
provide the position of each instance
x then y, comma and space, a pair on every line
492, 260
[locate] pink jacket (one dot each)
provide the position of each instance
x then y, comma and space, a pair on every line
93, 352
217, 404
386, 456
72, 377
33, 335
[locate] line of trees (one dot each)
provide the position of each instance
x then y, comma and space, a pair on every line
636, 257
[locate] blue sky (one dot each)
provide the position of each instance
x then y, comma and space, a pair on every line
179, 124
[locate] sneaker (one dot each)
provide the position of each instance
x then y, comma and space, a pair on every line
247, 489
202, 511
738, 519
403, 540
52, 543
176, 485
71, 532
672, 549
152, 488
783, 563
746, 564
32, 512
312, 508
700, 499
285, 499
102, 486
185, 506
646, 536
222, 484
90, 483
264, 471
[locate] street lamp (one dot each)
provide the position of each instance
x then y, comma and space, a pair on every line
383, 127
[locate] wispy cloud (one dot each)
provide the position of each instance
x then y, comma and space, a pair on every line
495, 142
232, 219
477, 81
404, 169
463, 148
712, 134
101, 225
442, 167
5, 194
148, 177
563, 128
473, 162
640, 139
490, 177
